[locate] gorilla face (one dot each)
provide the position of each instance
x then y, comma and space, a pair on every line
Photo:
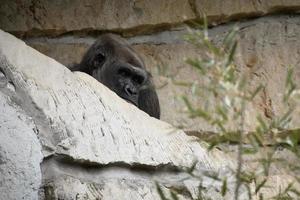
123, 78
114, 63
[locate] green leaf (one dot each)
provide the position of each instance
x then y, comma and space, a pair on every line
249, 150
242, 82
247, 177
262, 124
174, 196
231, 54
289, 77
257, 138
215, 50
260, 185
228, 40
219, 124
293, 139
222, 111
197, 64
212, 144
201, 113
230, 74
266, 162
224, 187
212, 175
183, 83
285, 119
188, 104
256, 91
289, 84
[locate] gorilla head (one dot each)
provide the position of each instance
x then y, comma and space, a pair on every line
114, 63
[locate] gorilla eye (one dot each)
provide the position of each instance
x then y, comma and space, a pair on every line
99, 60
124, 72
138, 79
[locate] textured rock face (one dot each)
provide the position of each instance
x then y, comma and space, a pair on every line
65, 16
222, 11
65, 136
45, 17
20, 152
80, 144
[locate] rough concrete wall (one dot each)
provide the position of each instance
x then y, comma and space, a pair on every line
268, 42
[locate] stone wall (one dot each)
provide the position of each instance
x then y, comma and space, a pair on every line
82, 151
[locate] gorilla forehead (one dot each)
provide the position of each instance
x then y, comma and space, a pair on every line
114, 46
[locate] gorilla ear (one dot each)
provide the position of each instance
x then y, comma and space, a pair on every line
89, 63
98, 60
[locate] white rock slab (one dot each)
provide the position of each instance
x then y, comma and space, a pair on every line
80, 119
20, 153
88, 121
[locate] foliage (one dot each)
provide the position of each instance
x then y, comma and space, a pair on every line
227, 95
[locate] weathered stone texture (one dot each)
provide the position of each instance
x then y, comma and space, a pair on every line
63, 135
49, 17
20, 152
90, 134
46, 17
221, 11
267, 51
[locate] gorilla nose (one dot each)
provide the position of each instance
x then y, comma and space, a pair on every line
130, 91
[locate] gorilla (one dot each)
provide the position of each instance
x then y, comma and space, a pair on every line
113, 62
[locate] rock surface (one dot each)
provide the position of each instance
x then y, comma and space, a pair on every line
20, 150
91, 147
45, 17
39, 17
221, 11
60, 132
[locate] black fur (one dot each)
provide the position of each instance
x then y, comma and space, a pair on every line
114, 63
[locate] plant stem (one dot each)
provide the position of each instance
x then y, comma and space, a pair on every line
240, 151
